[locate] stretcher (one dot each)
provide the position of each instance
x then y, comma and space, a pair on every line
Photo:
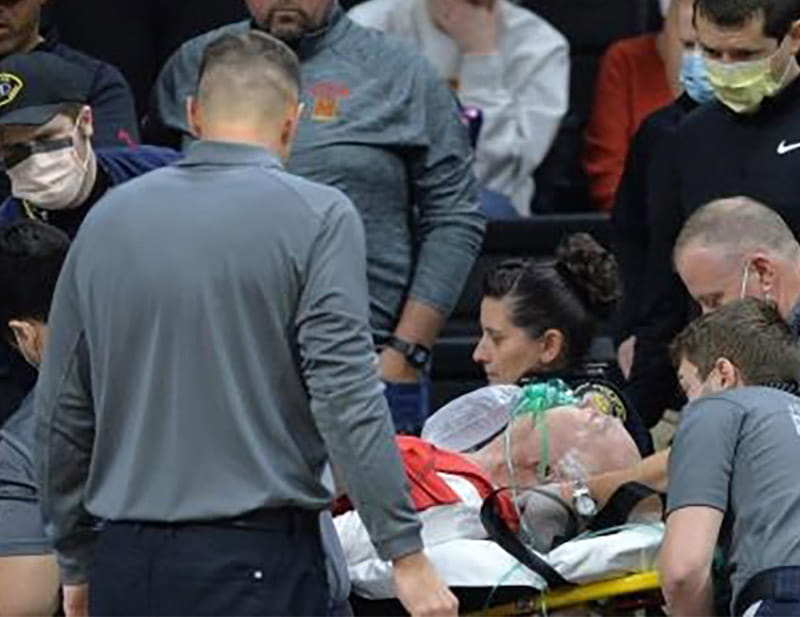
486, 554
611, 572
619, 596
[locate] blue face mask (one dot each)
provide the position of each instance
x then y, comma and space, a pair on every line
694, 77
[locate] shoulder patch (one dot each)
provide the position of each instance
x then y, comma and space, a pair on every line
10, 87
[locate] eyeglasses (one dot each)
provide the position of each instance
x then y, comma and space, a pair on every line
14, 154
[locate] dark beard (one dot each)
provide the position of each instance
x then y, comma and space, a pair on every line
290, 32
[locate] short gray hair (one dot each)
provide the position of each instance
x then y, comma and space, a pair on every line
248, 72
738, 225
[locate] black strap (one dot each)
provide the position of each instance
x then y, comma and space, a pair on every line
619, 507
782, 584
573, 524
498, 531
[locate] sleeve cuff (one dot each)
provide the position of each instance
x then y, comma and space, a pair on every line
25, 548
399, 546
481, 73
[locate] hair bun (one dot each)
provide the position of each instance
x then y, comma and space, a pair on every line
592, 272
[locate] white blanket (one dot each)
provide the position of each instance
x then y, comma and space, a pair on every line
482, 563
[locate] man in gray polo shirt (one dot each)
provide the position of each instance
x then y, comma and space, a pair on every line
733, 465
209, 350
380, 125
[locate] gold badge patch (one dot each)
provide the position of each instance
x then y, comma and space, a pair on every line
605, 400
10, 86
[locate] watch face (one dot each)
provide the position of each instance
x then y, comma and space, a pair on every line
585, 506
419, 357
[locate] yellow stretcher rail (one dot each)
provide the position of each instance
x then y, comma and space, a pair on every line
647, 581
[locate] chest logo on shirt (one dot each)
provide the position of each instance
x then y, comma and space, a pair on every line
784, 148
10, 87
326, 100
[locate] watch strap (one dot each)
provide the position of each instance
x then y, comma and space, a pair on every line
417, 355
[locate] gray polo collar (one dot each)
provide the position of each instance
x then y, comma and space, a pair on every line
204, 152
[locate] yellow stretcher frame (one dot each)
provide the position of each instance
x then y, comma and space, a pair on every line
635, 583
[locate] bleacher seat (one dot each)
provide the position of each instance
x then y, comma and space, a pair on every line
454, 373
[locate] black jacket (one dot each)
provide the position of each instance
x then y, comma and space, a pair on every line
634, 224
715, 153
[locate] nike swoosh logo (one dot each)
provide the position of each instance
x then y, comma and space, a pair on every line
784, 148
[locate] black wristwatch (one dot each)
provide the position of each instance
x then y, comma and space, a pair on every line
416, 355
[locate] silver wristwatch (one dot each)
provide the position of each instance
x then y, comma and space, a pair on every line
582, 500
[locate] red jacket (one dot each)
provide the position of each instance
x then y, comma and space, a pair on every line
631, 84
424, 462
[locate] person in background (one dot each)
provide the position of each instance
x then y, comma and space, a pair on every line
379, 124
749, 50
539, 318
636, 77
251, 299
500, 58
109, 94
46, 129
733, 464
631, 218
31, 256
56, 174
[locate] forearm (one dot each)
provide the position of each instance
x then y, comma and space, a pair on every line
419, 323
652, 472
28, 585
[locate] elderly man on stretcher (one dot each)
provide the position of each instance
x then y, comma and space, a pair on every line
521, 455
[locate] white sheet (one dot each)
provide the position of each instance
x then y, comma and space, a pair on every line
482, 563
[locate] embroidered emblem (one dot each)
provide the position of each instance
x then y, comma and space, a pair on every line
10, 87
327, 100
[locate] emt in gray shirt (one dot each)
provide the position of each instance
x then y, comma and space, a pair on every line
209, 350
734, 463
379, 125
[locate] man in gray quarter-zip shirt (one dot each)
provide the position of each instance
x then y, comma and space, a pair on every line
209, 349
379, 125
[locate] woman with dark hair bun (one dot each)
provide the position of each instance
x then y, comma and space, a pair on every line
539, 317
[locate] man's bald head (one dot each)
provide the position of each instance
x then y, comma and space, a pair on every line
738, 225
247, 81
737, 247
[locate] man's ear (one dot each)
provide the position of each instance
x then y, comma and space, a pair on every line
23, 331
552, 342
289, 128
729, 374
794, 36
766, 273
194, 116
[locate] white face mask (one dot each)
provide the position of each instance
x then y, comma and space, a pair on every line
51, 180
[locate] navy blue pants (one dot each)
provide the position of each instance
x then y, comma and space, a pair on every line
187, 569
410, 404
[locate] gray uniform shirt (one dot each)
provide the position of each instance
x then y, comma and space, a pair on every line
209, 348
21, 526
739, 452
380, 125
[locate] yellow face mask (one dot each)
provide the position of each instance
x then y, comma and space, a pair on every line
742, 86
